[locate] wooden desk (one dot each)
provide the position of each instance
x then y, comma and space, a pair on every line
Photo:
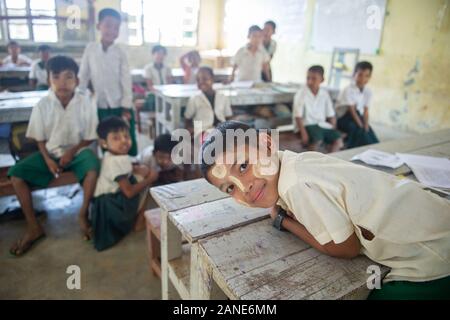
220, 75
17, 106
193, 210
14, 77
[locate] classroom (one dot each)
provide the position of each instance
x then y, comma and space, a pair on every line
224, 150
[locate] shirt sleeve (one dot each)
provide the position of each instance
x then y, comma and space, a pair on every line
118, 166
190, 109
329, 106
299, 104
32, 74
125, 81
348, 98
36, 125
26, 59
84, 74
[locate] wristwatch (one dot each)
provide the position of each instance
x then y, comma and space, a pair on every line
279, 219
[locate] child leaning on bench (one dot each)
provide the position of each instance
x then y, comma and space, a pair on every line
63, 123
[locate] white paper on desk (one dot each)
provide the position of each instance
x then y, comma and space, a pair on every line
379, 158
430, 171
241, 84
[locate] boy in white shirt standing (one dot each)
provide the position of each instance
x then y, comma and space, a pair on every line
314, 115
353, 108
63, 124
251, 61
38, 72
105, 64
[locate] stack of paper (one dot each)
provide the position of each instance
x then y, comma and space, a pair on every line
379, 158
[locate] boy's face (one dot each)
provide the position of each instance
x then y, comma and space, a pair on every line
14, 50
313, 80
362, 77
163, 160
44, 55
250, 184
268, 32
64, 83
255, 38
204, 81
159, 56
109, 29
118, 142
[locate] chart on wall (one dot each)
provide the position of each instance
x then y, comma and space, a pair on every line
348, 24
240, 15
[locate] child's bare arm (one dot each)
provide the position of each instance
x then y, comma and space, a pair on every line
51, 164
366, 118
131, 190
355, 116
332, 121
303, 133
266, 70
233, 73
150, 84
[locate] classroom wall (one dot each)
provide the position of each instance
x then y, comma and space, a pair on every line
411, 81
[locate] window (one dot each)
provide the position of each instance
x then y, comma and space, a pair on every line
33, 20
169, 22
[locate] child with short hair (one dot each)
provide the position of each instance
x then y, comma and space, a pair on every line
156, 73
38, 73
251, 61
105, 65
268, 43
115, 205
15, 57
210, 107
339, 208
313, 113
190, 63
63, 124
353, 108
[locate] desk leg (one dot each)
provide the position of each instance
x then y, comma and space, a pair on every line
203, 286
170, 249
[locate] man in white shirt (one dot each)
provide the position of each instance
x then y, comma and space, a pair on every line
251, 61
38, 73
314, 115
14, 57
105, 65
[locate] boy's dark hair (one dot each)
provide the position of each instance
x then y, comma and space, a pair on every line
12, 43
363, 65
44, 47
108, 12
111, 124
164, 143
159, 48
253, 29
206, 69
58, 64
317, 69
272, 24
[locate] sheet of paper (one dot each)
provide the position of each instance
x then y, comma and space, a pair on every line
430, 171
379, 158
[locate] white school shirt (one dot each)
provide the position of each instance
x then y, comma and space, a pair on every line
353, 96
63, 128
20, 60
332, 197
158, 76
113, 166
250, 65
37, 73
109, 73
199, 109
271, 48
313, 109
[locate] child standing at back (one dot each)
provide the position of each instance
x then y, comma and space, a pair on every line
251, 61
105, 64
353, 108
314, 115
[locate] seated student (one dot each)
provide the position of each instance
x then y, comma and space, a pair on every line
63, 124
210, 107
353, 108
190, 63
160, 161
116, 199
314, 115
251, 61
15, 57
38, 73
341, 209
268, 43
156, 73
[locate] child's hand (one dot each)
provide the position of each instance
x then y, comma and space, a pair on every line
126, 115
53, 166
305, 139
66, 158
366, 127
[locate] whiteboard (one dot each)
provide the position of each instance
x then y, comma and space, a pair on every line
348, 24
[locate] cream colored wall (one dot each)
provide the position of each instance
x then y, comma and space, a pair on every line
411, 79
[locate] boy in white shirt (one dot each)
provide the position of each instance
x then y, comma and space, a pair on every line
314, 115
157, 73
105, 65
63, 124
15, 57
38, 73
269, 44
353, 108
209, 106
251, 61
339, 208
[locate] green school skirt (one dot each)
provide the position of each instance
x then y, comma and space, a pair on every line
35, 172
103, 113
113, 216
356, 136
316, 134
406, 290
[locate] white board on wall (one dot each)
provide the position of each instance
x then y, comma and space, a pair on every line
348, 24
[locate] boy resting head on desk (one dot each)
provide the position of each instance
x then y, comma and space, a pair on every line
339, 208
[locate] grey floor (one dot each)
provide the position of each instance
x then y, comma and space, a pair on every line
121, 272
